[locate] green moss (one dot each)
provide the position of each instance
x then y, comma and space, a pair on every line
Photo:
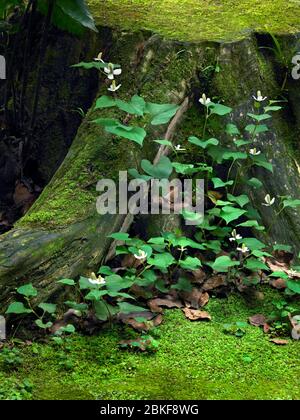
192, 20
195, 360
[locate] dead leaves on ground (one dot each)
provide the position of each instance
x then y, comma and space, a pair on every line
196, 315
258, 320
157, 304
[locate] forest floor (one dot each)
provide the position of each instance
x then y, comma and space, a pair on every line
195, 360
191, 20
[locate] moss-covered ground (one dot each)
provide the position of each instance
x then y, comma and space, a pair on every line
191, 20
195, 360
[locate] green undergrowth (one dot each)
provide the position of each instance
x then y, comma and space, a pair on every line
191, 20
195, 360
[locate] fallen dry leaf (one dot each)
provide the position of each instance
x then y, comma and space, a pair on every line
198, 276
195, 315
258, 320
266, 328
144, 326
195, 298
214, 282
168, 302
278, 284
279, 341
137, 343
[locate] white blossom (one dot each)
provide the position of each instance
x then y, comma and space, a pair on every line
235, 236
204, 100
96, 280
254, 152
111, 71
114, 87
243, 248
259, 97
99, 57
178, 148
268, 201
141, 255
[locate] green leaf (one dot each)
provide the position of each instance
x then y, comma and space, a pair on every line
241, 200
229, 213
135, 174
260, 160
105, 102
18, 308
281, 247
260, 117
223, 263
136, 134
183, 284
48, 307
272, 108
294, 286
164, 142
241, 142
157, 241
227, 155
255, 183
162, 170
218, 183
128, 308
162, 112
91, 65
279, 274
77, 306
183, 242
232, 129
106, 270
252, 223
27, 290
84, 284
253, 244
69, 329
119, 236
184, 168
115, 283
103, 310
255, 264
219, 109
291, 203
256, 129
203, 143
95, 294
41, 324
162, 260
67, 282
190, 263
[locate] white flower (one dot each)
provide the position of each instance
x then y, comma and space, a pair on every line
235, 236
114, 87
96, 280
141, 255
99, 57
268, 201
243, 248
204, 100
111, 71
259, 97
179, 148
254, 152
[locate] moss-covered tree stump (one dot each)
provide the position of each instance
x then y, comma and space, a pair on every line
63, 235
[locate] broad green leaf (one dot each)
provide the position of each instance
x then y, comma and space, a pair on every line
106, 270
219, 109
256, 129
135, 174
18, 308
162, 260
162, 170
218, 183
119, 236
105, 102
223, 263
76, 306
164, 142
184, 168
128, 308
85, 284
48, 307
67, 282
232, 129
77, 10
203, 143
259, 117
104, 310
272, 108
294, 286
241, 142
253, 244
260, 160
241, 200
106, 122
229, 213
255, 183
281, 247
96, 294
255, 264
291, 203
27, 290
43, 325
183, 284
162, 112
190, 263
91, 65
157, 241
234, 155
279, 274
136, 134
115, 283
253, 224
